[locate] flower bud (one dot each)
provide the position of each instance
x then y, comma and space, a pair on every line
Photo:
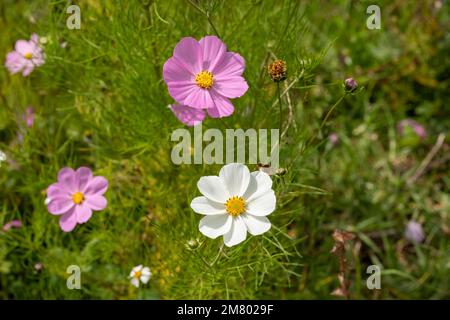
350, 84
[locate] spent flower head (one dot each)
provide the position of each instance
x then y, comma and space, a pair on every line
17, 224
277, 70
75, 196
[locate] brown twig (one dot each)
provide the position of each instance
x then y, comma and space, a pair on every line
340, 239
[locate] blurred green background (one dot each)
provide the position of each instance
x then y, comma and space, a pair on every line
100, 101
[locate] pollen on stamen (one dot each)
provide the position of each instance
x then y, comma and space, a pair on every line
235, 206
78, 197
204, 79
28, 55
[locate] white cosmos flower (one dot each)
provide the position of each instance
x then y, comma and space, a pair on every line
140, 274
235, 202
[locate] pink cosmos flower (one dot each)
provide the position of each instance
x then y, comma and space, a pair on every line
12, 224
28, 116
204, 75
414, 125
26, 56
75, 196
414, 232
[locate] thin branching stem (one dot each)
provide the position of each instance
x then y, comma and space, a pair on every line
325, 120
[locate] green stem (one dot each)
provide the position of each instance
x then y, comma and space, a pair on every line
325, 119
206, 13
280, 107
212, 25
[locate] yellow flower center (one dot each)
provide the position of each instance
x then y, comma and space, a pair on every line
28, 55
78, 197
137, 274
204, 79
235, 206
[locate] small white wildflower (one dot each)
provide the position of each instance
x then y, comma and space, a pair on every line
140, 274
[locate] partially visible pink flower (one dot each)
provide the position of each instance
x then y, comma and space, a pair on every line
414, 232
333, 138
28, 116
12, 224
417, 128
189, 116
38, 266
204, 75
75, 196
26, 56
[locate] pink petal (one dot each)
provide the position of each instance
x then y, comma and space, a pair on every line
174, 70
181, 90
232, 87
66, 179
199, 98
231, 65
59, 206
83, 213
55, 190
96, 202
222, 108
82, 177
189, 116
14, 62
189, 54
98, 185
29, 67
35, 38
68, 221
213, 51
23, 47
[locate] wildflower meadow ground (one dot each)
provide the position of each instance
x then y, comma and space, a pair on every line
206, 149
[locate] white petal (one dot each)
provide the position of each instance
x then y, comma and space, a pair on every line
144, 278
263, 205
205, 206
237, 233
146, 271
260, 183
213, 188
135, 282
236, 177
135, 269
256, 225
215, 225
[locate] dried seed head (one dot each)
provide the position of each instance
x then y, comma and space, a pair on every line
277, 70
